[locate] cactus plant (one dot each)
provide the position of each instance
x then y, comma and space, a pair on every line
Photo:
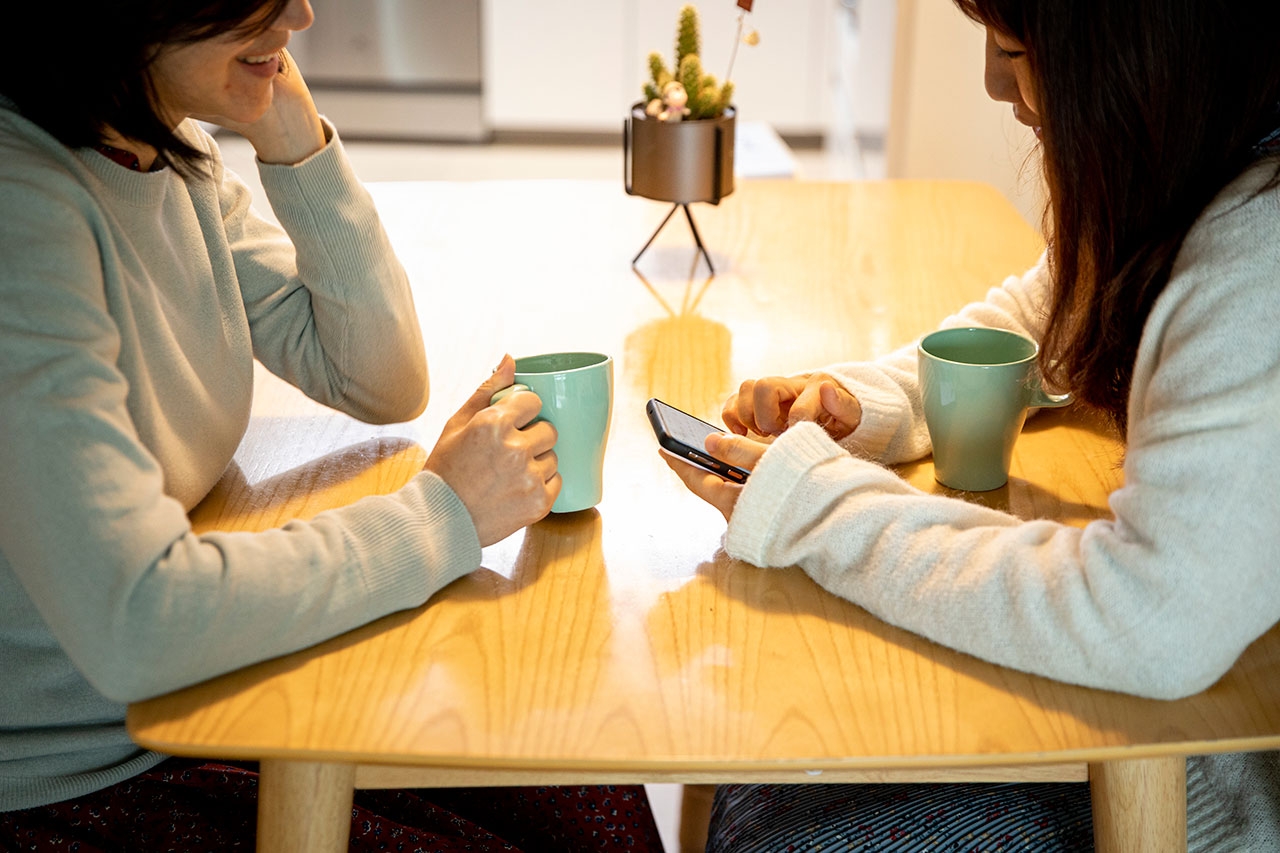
688, 39
706, 97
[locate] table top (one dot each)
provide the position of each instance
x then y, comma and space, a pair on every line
623, 638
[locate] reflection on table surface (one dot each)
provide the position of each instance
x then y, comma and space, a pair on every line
620, 642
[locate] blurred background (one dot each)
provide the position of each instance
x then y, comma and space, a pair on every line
834, 90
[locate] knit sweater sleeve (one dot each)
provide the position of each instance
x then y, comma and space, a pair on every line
1158, 600
329, 307
893, 428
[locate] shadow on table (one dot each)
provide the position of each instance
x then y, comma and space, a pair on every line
376, 466
923, 671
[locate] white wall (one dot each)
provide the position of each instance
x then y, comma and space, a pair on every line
873, 67
577, 65
942, 124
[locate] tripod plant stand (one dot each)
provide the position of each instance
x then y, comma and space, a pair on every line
697, 238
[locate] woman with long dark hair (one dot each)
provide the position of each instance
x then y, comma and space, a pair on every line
137, 286
1157, 303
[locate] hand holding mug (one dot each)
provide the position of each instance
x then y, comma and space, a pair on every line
500, 464
576, 391
768, 406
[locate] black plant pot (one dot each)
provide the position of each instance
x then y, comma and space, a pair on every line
678, 161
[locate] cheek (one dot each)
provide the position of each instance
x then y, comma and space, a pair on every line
1001, 83
1027, 89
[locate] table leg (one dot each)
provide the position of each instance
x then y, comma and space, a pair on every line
304, 807
1139, 805
695, 816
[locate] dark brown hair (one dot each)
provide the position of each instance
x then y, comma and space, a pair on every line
78, 68
1148, 108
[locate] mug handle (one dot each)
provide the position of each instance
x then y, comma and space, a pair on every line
1041, 400
503, 392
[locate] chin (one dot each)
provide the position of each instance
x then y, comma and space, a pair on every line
243, 114
251, 106
256, 114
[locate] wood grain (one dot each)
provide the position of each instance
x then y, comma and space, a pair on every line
621, 640
1143, 801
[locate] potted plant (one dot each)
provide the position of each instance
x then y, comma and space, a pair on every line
678, 141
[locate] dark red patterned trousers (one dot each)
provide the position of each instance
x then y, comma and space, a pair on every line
193, 806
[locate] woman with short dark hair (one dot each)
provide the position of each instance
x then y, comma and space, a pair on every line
137, 286
1156, 304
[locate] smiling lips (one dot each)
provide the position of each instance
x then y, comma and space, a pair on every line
263, 65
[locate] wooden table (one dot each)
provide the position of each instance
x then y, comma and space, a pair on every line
620, 644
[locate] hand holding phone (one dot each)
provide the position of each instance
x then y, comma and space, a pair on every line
683, 436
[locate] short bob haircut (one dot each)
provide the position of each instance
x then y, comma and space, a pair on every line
1149, 108
87, 66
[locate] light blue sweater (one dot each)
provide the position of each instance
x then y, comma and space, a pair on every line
132, 307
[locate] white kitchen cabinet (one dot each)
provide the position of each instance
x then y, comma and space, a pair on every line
576, 65
554, 65
398, 69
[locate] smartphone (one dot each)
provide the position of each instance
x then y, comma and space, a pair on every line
683, 436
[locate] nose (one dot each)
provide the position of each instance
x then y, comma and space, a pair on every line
297, 15
1001, 83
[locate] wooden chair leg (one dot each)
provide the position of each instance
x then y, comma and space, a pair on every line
1139, 805
695, 817
304, 807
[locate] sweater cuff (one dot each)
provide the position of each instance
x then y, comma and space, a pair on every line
416, 548
325, 174
787, 461
329, 215
882, 415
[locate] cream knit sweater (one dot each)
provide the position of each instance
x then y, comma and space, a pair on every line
1158, 600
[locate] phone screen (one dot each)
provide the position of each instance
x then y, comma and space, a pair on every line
684, 436
685, 427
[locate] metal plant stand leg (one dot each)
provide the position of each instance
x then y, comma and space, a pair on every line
697, 238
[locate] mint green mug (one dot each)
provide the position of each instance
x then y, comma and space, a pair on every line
576, 389
977, 385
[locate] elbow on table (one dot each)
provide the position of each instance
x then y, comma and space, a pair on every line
127, 662
408, 405
418, 389
1168, 672
124, 676
423, 386
401, 399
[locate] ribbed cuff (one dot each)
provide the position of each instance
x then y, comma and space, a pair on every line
882, 414
325, 209
787, 461
412, 543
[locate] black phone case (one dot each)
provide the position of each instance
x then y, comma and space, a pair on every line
694, 455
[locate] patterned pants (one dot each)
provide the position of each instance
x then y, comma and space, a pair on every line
950, 818
194, 806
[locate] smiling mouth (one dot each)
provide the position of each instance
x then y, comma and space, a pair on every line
259, 60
